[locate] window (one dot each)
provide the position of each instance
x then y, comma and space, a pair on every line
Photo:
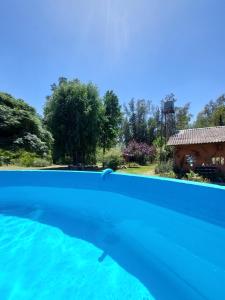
218, 160
190, 159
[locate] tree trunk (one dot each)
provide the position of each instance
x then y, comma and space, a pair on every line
103, 156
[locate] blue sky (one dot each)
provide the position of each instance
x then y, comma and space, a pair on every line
138, 48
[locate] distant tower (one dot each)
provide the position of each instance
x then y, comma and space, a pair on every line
168, 112
168, 125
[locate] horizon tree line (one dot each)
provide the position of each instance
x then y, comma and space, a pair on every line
77, 121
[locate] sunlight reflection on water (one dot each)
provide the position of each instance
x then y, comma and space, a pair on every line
38, 261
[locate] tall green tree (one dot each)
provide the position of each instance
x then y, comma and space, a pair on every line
72, 114
154, 124
218, 116
110, 120
135, 125
126, 135
21, 127
213, 114
182, 116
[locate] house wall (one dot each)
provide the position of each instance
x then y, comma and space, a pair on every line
203, 154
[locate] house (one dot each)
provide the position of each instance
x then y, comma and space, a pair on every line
199, 148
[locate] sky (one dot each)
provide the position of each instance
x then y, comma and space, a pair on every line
138, 48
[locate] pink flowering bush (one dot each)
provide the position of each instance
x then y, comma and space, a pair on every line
139, 152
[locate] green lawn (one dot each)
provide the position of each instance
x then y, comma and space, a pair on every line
14, 167
142, 170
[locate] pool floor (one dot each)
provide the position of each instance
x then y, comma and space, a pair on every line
38, 261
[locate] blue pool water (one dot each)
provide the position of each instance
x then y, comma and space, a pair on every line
40, 262
59, 239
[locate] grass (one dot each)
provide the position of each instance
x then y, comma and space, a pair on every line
141, 170
15, 167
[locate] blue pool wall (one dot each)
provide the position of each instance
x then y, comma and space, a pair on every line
187, 259
201, 200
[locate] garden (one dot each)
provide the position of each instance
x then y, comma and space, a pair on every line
81, 130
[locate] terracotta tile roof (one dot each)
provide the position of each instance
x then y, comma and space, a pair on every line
198, 136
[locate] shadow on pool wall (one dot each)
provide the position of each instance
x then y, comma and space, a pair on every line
97, 216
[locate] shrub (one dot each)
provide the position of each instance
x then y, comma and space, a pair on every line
192, 176
21, 127
5, 157
32, 143
99, 156
170, 174
23, 158
180, 172
164, 167
26, 159
40, 162
113, 159
139, 152
219, 176
163, 152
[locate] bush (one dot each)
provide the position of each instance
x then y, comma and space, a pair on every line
180, 172
5, 157
23, 158
26, 159
219, 176
139, 152
21, 127
164, 167
40, 162
192, 176
113, 159
163, 152
99, 156
170, 174
31, 142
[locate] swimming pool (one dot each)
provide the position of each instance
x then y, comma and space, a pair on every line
81, 235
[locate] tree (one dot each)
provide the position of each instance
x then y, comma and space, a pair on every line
145, 122
126, 131
218, 116
110, 120
131, 117
183, 117
22, 127
154, 124
142, 112
213, 114
72, 114
135, 125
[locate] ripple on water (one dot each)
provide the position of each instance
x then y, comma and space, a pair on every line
41, 262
